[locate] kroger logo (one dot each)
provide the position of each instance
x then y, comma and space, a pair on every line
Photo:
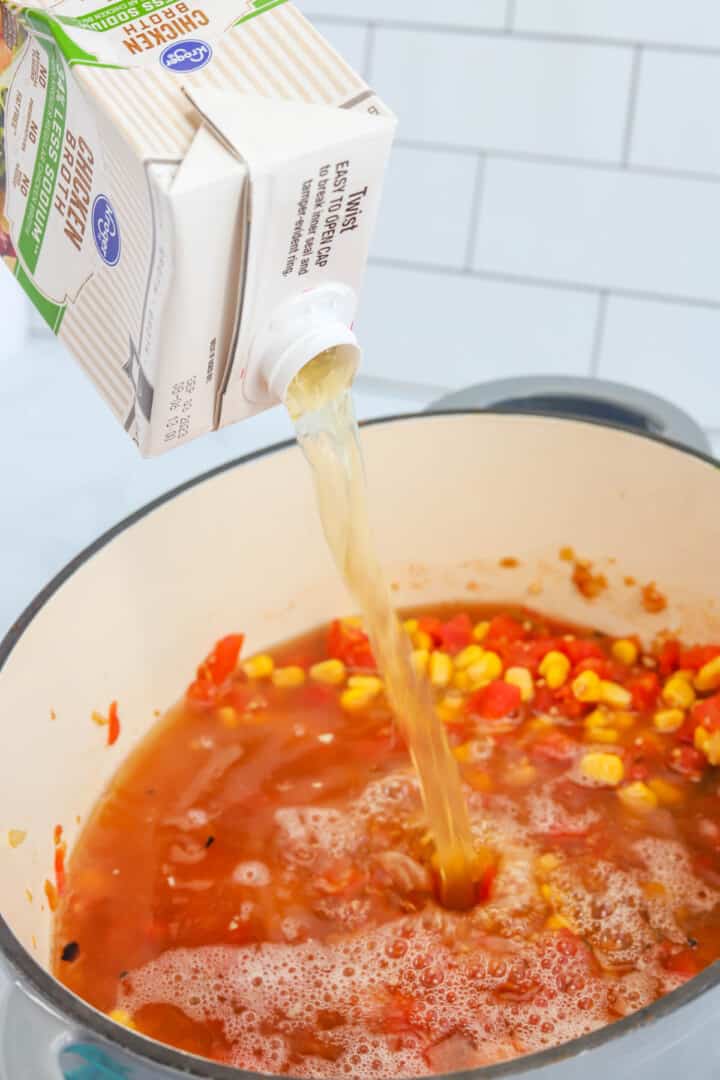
188, 55
106, 231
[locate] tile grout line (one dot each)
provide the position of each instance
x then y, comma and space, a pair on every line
475, 211
544, 283
369, 54
631, 114
521, 35
563, 162
510, 16
599, 336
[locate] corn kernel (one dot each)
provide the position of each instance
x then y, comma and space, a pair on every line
356, 700
521, 677
422, 640
614, 695
678, 692
623, 720
411, 626
468, 657
625, 651
655, 890
708, 677
546, 863
441, 669
555, 668
228, 717
543, 722
667, 794
708, 744
558, 922
259, 667
463, 753
486, 670
599, 718
668, 720
461, 681
288, 677
369, 684
328, 673
479, 780
602, 735
638, 797
521, 775
453, 702
123, 1017
587, 687
481, 631
603, 768
420, 661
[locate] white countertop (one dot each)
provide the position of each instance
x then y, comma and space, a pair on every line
70, 472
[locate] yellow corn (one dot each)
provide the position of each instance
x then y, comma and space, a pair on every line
557, 922
638, 797
602, 735
328, 673
422, 640
288, 677
602, 768
623, 720
356, 700
599, 718
708, 677
521, 677
555, 668
542, 722
463, 753
625, 651
613, 694
441, 669
479, 780
369, 684
411, 626
521, 775
259, 667
480, 631
487, 668
468, 657
420, 660
461, 681
587, 687
228, 717
123, 1017
708, 744
453, 702
545, 864
668, 720
666, 794
678, 692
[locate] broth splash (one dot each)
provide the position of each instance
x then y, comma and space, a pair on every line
321, 406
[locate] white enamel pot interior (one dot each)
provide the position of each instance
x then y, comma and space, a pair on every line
242, 550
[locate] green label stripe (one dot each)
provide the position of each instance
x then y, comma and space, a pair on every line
261, 6
51, 313
47, 161
113, 15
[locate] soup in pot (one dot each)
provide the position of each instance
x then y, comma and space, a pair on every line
258, 885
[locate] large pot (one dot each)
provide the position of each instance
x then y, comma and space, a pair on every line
241, 548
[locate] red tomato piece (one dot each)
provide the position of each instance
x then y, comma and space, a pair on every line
568, 704
503, 630
222, 661
202, 692
113, 724
494, 701
578, 650
707, 713
484, 885
645, 690
682, 963
601, 667
688, 761
456, 634
428, 624
554, 746
351, 645
669, 658
698, 656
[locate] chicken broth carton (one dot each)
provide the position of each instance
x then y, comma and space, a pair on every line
187, 193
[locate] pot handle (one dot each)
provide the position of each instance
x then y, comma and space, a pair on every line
583, 398
37, 1043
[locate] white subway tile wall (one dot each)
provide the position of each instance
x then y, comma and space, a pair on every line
553, 204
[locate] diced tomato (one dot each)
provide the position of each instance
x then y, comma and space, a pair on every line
397, 1016
688, 761
568, 704
682, 963
579, 649
601, 667
503, 630
351, 645
484, 885
554, 746
707, 713
638, 770
669, 658
645, 690
202, 692
456, 634
222, 661
428, 624
113, 724
317, 696
494, 701
698, 656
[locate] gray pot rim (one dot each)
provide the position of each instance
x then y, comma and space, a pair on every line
86, 1019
